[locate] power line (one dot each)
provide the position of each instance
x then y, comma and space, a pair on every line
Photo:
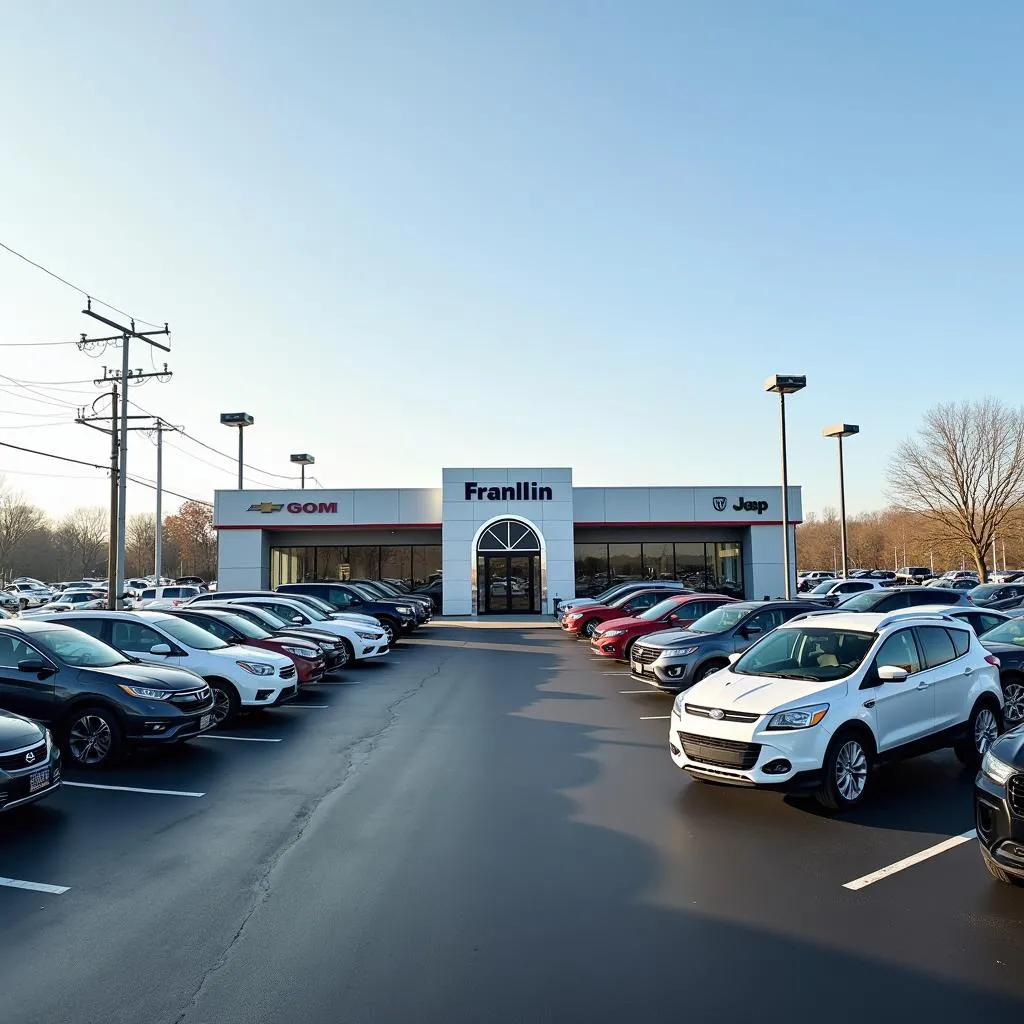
74, 287
34, 344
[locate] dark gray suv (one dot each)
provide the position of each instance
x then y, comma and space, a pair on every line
894, 599
675, 659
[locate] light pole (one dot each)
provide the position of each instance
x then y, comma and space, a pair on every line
841, 430
784, 384
303, 460
240, 420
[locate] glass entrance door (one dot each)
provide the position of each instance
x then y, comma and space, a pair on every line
508, 584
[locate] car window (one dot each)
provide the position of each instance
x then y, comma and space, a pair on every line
13, 650
215, 627
936, 646
78, 649
287, 613
94, 627
148, 595
767, 619
640, 603
134, 637
339, 598
984, 623
806, 652
961, 641
893, 602
899, 650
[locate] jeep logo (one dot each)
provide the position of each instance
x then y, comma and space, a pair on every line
719, 503
760, 507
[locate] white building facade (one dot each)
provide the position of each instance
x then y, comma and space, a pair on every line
507, 540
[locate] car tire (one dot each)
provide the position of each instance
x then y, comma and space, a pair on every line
983, 726
589, 628
627, 651
391, 628
1013, 699
93, 738
705, 670
348, 653
226, 702
997, 872
846, 771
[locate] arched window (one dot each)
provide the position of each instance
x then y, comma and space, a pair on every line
506, 536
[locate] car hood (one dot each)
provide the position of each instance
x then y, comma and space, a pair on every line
672, 637
1001, 650
629, 622
17, 732
159, 677
235, 652
355, 618
760, 694
576, 602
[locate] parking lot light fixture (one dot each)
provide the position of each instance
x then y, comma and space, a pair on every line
303, 460
240, 420
784, 384
839, 431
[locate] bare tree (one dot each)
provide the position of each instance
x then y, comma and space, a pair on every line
964, 472
18, 520
140, 544
81, 539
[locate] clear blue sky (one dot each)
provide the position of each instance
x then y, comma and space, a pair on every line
412, 234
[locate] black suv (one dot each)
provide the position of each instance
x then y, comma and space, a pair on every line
396, 617
423, 606
97, 701
893, 599
999, 807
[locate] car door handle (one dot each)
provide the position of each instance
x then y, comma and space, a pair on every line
923, 686
968, 670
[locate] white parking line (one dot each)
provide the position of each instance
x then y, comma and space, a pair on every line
236, 739
641, 691
908, 862
15, 883
655, 718
134, 789
317, 707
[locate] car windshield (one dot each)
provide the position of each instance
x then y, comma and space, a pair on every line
311, 613
319, 604
660, 609
78, 649
823, 588
721, 618
1010, 632
806, 652
262, 616
985, 590
191, 635
862, 602
242, 625
364, 592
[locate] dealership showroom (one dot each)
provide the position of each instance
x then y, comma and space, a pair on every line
508, 540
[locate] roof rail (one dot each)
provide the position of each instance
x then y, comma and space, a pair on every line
908, 613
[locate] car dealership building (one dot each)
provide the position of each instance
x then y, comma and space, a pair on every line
507, 540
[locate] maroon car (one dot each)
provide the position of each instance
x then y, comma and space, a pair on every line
581, 622
307, 657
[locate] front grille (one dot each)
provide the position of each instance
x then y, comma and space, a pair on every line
287, 672
1015, 794
192, 700
727, 716
724, 753
645, 655
25, 759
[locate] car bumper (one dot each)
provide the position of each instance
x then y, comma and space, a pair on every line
1000, 831
158, 730
607, 648
310, 671
369, 650
671, 676
16, 787
737, 754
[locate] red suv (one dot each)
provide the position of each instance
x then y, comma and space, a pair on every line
614, 638
583, 621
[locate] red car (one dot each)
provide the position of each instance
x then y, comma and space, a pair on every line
307, 657
614, 638
583, 621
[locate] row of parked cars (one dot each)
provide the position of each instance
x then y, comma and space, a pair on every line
25, 593
799, 697
90, 684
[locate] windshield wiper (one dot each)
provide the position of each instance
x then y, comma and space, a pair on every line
789, 675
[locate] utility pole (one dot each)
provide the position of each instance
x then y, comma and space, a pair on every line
112, 538
126, 375
158, 559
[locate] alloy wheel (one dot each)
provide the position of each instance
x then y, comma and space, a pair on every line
1013, 709
389, 631
221, 705
986, 729
90, 740
851, 770
590, 628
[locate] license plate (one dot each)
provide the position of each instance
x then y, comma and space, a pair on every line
638, 668
39, 780
204, 722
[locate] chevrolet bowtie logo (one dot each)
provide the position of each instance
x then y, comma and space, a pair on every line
265, 506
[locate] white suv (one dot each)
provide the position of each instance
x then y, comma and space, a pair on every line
239, 676
814, 705
166, 597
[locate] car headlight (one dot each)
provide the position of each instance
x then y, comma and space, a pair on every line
301, 652
403, 609
680, 652
145, 692
612, 632
996, 770
798, 718
677, 704
370, 636
574, 616
257, 668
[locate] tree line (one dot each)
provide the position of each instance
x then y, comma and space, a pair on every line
75, 545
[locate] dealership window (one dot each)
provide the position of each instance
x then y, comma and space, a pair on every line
691, 565
658, 562
626, 562
728, 568
415, 564
591, 569
396, 562
426, 564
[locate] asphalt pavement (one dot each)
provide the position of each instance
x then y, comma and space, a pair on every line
488, 828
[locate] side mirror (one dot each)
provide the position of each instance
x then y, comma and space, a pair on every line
161, 649
672, 617
35, 665
297, 619
749, 631
892, 674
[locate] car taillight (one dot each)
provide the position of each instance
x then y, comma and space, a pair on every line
992, 660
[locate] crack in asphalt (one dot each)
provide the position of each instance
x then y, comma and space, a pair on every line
356, 758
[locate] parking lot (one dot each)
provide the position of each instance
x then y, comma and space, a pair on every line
488, 827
